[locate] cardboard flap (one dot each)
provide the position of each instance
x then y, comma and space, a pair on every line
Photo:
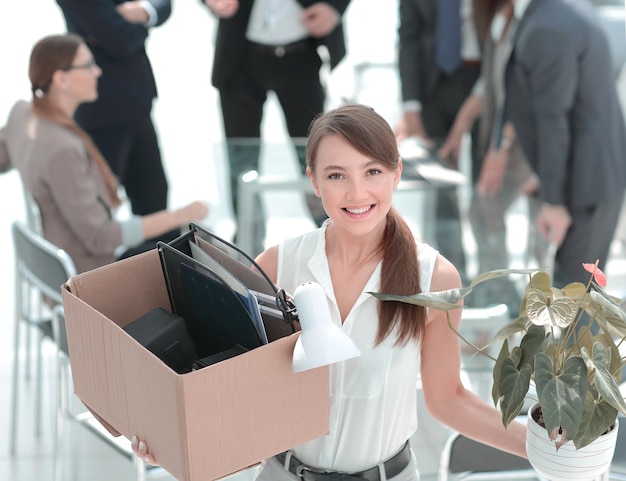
140, 276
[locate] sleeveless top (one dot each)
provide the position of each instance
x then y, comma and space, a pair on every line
373, 406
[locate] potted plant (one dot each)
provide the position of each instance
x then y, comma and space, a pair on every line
567, 345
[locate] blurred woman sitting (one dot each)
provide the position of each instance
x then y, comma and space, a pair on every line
64, 171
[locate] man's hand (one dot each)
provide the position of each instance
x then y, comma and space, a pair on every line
133, 12
465, 118
553, 221
223, 8
492, 172
451, 148
320, 19
410, 125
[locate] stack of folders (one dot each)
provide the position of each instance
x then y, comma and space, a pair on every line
223, 315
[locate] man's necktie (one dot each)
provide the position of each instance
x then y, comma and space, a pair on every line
448, 52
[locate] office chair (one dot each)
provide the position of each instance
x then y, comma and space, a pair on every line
618, 465
40, 269
33, 214
465, 459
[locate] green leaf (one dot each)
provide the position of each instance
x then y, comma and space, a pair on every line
614, 314
442, 300
616, 301
561, 395
597, 418
497, 368
497, 273
575, 290
531, 343
514, 384
605, 383
541, 281
512, 328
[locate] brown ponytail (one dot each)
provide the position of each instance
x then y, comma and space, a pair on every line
399, 275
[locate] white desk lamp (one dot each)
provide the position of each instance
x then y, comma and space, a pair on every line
321, 342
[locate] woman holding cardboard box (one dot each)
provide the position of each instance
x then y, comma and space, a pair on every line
60, 166
354, 166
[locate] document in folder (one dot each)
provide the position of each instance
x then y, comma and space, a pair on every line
248, 298
225, 257
215, 314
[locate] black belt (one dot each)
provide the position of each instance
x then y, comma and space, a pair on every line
393, 466
281, 50
471, 63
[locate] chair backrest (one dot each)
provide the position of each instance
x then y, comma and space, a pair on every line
40, 262
33, 213
618, 465
462, 455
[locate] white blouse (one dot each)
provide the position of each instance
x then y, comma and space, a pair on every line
372, 397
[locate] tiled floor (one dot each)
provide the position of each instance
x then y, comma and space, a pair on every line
188, 118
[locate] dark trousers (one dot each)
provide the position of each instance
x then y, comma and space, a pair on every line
588, 238
439, 109
132, 151
295, 80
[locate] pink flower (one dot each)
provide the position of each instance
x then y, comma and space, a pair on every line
598, 275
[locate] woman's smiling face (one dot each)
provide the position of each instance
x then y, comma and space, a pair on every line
356, 190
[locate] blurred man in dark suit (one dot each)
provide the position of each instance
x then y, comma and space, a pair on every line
271, 45
120, 121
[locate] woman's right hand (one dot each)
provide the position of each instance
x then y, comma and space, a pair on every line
197, 210
140, 448
166, 220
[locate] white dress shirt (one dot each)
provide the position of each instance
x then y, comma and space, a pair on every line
276, 22
373, 404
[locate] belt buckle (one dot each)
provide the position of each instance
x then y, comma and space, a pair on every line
303, 468
279, 51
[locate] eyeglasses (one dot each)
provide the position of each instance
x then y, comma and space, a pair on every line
84, 66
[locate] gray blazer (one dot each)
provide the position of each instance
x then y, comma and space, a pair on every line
56, 170
563, 102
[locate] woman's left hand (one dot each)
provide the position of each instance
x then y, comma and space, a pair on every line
140, 448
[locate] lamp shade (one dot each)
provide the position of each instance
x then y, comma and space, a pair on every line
321, 342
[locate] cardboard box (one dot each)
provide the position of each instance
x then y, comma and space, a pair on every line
201, 425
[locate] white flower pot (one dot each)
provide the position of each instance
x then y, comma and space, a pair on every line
568, 463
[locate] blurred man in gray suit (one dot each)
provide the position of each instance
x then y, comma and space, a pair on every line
562, 100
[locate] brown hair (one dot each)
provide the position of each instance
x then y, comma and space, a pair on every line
371, 135
49, 55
